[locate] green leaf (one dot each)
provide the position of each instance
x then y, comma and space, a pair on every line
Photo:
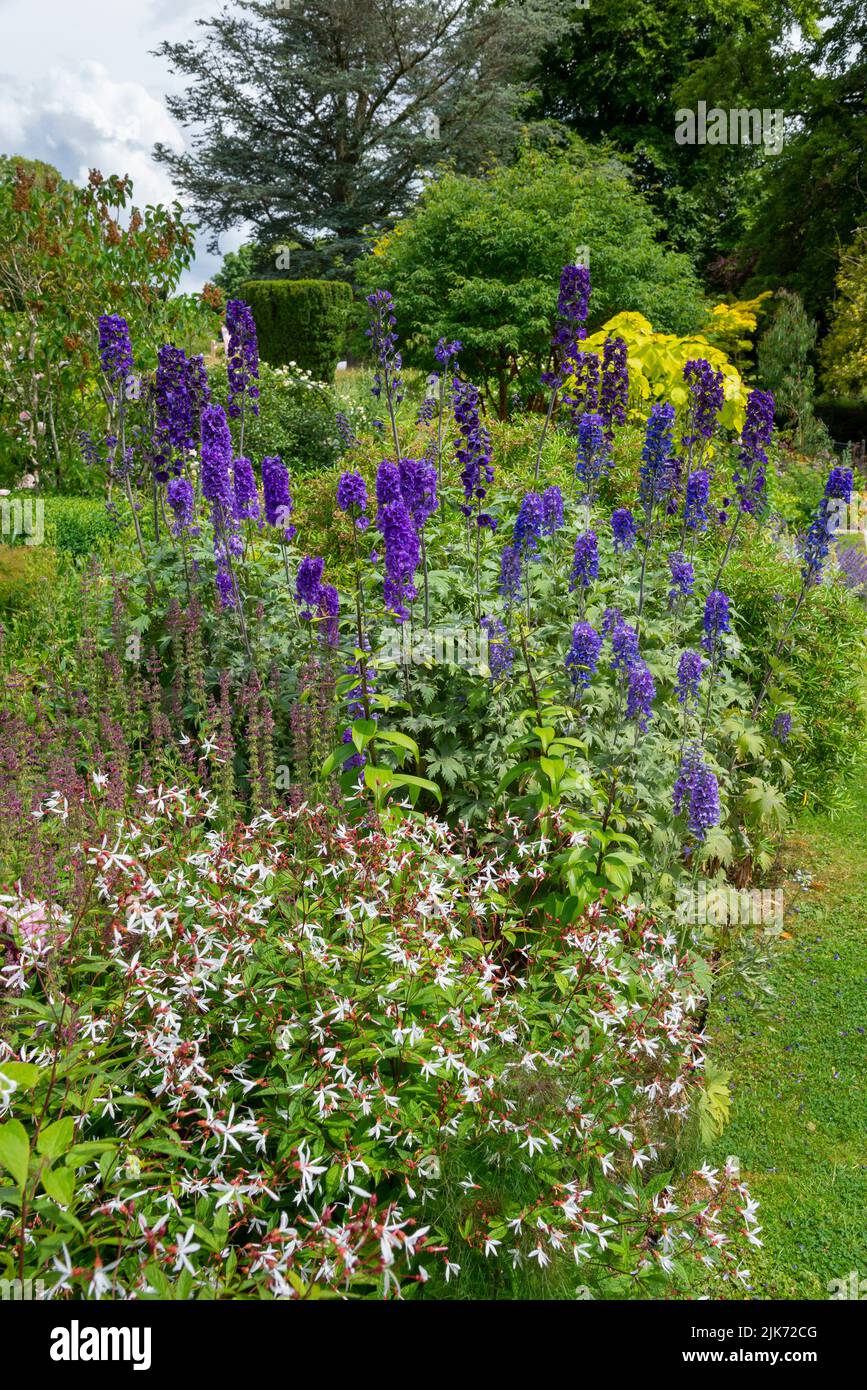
56, 1138
401, 740
15, 1150
405, 780
516, 771
363, 730
59, 1183
24, 1074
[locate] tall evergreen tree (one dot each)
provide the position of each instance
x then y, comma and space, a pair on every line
313, 119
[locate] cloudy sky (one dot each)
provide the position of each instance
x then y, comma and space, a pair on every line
79, 88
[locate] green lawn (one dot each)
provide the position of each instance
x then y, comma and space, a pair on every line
799, 1112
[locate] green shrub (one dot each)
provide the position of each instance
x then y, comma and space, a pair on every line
785, 349
820, 676
301, 321
296, 419
81, 526
479, 259
78, 526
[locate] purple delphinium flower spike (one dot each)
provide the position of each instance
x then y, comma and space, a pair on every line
613, 385
689, 671
716, 622
682, 576
501, 654
552, 510
352, 498
624, 528
696, 790
242, 357
585, 561
278, 499
582, 657
246, 503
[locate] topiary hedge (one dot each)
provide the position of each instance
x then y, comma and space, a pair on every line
300, 321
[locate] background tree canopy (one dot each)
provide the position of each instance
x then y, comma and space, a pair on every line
311, 121
480, 258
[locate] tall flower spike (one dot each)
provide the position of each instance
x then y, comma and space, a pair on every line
624, 529
552, 510
582, 657
217, 486
572, 304
352, 498
705, 400
614, 385
656, 455
501, 654
750, 475
838, 489
473, 450
246, 505
697, 499
716, 622
278, 499
593, 455
242, 357
585, 562
402, 554
689, 671
115, 348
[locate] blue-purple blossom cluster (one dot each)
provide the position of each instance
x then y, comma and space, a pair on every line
582, 658
750, 477
656, 455
242, 358
501, 654
614, 385
716, 622
585, 561
593, 457
838, 488
696, 791
705, 399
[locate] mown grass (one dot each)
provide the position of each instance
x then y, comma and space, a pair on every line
799, 1113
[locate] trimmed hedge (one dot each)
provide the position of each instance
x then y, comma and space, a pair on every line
300, 321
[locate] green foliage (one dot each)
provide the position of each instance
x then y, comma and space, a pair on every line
797, 1124
320, 117
237, 267
296, 418
818, 678
810, 199
76, 252
623, 69
300, 321
479, 259
415, 1060
785, 351
80, 526
844, 350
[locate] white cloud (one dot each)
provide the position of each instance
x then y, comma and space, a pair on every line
84, 119
83, 90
